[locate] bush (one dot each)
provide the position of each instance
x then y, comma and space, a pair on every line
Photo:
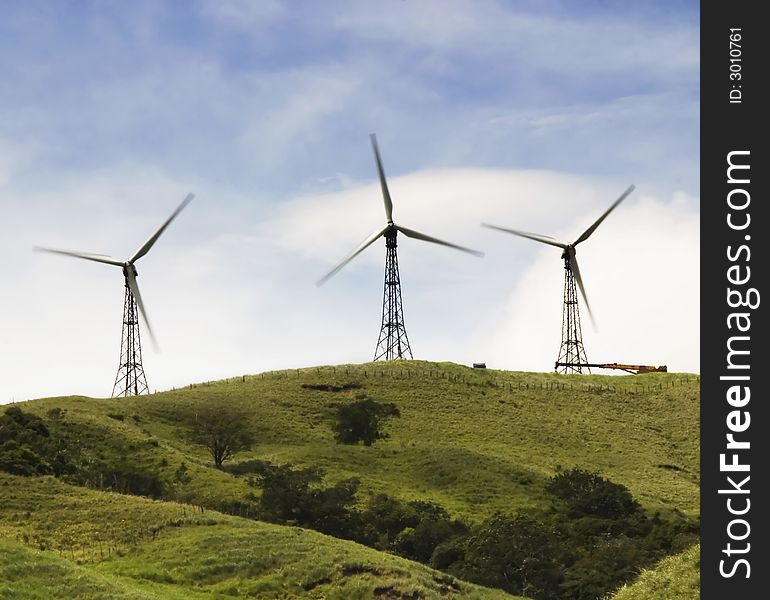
587, 493
294, 496
21, 460
419, 542
24, 443
384, 518
361, 421
609, 564
519, 555
410, 529
16, 422
285, 492
448, 554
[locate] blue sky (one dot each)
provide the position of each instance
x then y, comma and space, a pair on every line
541, 112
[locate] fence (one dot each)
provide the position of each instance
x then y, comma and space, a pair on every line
481, 378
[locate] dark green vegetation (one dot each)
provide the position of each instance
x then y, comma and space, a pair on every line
362, 421
471, 464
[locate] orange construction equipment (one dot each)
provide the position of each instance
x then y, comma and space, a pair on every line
635, 369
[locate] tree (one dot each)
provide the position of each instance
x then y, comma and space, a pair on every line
434, 526
223, 430
297, 496
589, 493
517, 554
361, 421
25, 443
21, 460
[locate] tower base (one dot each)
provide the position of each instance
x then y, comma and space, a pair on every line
572, 354
130, 380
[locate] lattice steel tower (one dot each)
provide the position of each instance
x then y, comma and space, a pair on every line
130, 380
572, 354
393, 343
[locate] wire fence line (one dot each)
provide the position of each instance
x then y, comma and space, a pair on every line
482, 379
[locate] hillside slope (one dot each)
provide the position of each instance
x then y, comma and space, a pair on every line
37, 575
475, 441
674, 578
96, 545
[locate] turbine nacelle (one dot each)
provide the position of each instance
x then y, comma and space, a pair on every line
390, 228
129, 269
568, 250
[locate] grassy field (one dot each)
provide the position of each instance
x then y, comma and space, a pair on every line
36, 575
675, 578
61, 541
475, 441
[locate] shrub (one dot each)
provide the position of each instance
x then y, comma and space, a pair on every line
294, 496
361, 421
18, 459
587, 493
519, 555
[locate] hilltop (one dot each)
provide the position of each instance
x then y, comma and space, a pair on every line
474, 441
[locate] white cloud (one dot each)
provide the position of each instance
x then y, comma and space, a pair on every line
263, 111
641, 272
228, 296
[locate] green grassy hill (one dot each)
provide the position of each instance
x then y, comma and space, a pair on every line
474, 441
675, 578
61, 541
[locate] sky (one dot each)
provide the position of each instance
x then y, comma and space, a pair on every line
527, 115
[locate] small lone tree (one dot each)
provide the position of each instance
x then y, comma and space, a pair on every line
361, 421
222, 430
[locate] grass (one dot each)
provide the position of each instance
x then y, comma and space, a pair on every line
475, 441
36, 575
93, 545
674, 578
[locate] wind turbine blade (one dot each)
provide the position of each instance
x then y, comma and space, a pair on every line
383, 184
576, 272
532, 236
426, 238
593, 227
131, 277
102, 258
149, 243
367, 242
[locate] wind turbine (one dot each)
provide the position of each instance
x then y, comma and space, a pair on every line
572, 354
393, 342
130, 380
